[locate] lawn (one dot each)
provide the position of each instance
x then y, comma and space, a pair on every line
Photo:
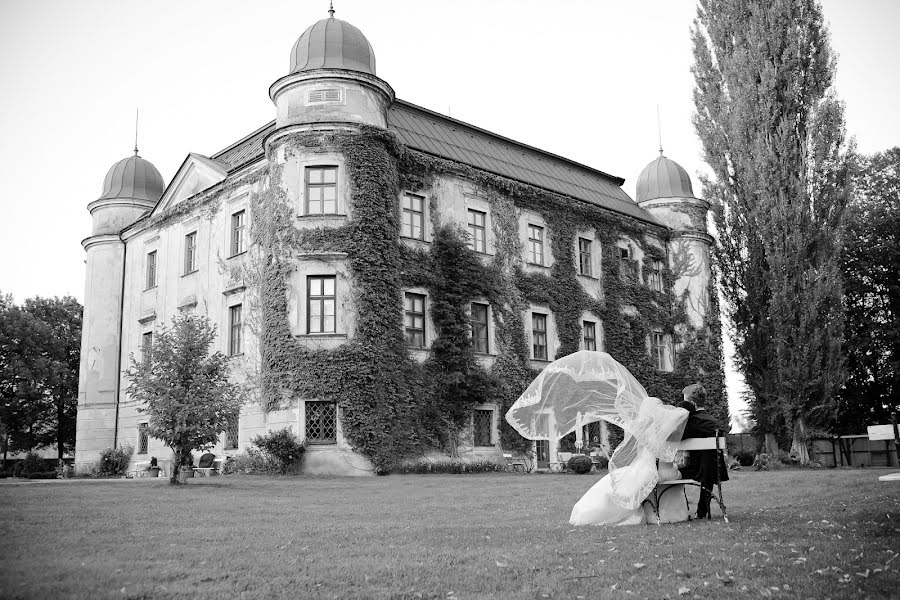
793, 534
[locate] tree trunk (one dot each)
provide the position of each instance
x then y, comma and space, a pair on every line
798, 446
59, 430
176, 467
771, 445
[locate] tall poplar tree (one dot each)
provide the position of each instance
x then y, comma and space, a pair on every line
773, 135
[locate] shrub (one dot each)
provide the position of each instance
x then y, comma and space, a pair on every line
254, 462
229, 466
283, 446
602, 462
446, 464
63, 470
41, 475
745, 457
114, 461
33, 463
580, 464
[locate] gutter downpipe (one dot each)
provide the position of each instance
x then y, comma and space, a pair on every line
119, 352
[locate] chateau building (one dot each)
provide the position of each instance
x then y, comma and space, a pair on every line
370, 264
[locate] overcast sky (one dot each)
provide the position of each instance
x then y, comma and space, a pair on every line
578, 78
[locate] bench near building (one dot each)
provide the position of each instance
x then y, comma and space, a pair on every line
359, 185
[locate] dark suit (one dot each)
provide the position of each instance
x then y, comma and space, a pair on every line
702, 464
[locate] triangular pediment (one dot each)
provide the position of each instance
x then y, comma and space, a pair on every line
195, 174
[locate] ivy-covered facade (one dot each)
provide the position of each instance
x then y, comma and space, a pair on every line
388, 280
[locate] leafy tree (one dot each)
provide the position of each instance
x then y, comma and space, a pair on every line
773, 135
184, 389
39, 363
872, 294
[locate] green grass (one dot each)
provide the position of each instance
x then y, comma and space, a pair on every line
808, 533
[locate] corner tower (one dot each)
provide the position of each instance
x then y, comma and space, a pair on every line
331, 80
664, 190
131, 188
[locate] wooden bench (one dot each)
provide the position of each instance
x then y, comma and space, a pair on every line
215, 469
716, 442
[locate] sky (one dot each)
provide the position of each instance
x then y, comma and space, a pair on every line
580, 78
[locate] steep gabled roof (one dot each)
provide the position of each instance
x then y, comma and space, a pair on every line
444, 137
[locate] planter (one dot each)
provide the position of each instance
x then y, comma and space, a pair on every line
185, 473
154, 471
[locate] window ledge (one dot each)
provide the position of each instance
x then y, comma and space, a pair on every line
322, 217
590, 277
321, 336
189, 273
237, 255
153, 287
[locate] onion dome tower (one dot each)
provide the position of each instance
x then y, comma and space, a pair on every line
664, 189
131, 188
332, 79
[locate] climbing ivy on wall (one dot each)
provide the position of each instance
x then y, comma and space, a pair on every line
391, 405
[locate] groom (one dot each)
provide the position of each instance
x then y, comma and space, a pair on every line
702, 464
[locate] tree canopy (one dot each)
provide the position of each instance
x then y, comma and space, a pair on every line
871, 265
40, 345
773, 135
183, 388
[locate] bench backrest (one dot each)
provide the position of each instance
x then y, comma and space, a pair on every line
707, 443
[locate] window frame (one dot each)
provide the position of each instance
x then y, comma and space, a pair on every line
230, 442
476, 438
235, 330
146, 348
539, 333
662, 351
413, 214
585, 259
408, 313
589, 341
237, 245
478, 325
654, 277
473, 229
307, 185
190, 253
535, 243
150, 272
307, 422
143, 443
322, 299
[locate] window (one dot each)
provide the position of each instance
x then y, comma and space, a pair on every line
321, 422
328, 95
480, 328
589, 329
414, 319
143, 438
625, 268
584, 258
477, 231
234, 330
321, 191
654, 280
146, 347
481, 425
190, 252
536, 245
237, 233
320, 304
539, 336
412, 217
231, 435
660, 348
151, 270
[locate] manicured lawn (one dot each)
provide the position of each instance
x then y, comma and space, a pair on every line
793, 534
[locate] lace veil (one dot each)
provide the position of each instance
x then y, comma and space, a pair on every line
592, 386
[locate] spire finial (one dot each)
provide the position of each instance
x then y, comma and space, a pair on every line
136, 113
331, 8
659, 130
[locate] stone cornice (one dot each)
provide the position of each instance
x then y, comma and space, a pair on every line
97, 240
645, 204
700, 236
120, 202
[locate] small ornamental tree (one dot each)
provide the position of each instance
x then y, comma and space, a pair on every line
183, 388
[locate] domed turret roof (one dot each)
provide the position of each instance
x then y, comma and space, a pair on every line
133, 177
333, 44
663, 178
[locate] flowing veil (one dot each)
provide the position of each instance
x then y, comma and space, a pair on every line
592, 386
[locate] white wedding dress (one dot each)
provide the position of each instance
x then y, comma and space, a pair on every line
591, 386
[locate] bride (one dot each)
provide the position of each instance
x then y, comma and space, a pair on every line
590, 386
